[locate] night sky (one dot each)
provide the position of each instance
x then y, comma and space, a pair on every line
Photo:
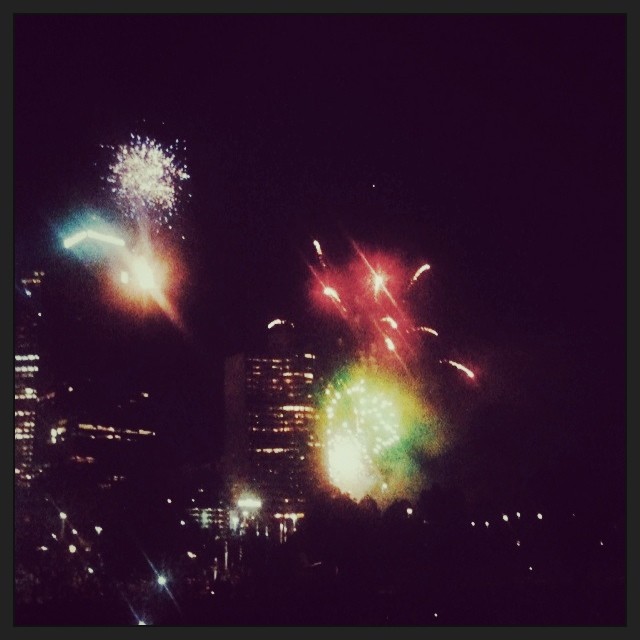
497, 148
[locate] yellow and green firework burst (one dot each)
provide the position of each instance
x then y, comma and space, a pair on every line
371, 424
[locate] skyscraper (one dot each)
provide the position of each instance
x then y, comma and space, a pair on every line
270, 416
28, 315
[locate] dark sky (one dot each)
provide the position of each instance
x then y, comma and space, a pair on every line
497, 145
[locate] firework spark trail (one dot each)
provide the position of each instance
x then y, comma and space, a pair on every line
146, 179
419, 272
461, 367
426, 330
390, 321
391, 345
330, 292
321, 259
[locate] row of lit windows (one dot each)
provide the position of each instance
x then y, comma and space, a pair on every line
274, 362
297, 407
271, 365
279, 426
25, 396
26, 368
99, 427
82, 459
20, 412
24, 428
30, 356
280, 416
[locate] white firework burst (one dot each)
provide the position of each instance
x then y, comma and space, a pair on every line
146, 178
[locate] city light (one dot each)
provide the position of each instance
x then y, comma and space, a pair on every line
63, 515
505, 518
539, 516
98, 529
162, 581
72, 548
249, 503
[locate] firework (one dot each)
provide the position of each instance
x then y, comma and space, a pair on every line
321, 259
433, 332
371, 293
419, 272
460, 367
148, 279
330, 292
365, 415
390, 321
373, 431
146, 179
390, 344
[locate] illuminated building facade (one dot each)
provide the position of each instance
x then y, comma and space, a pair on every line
97, 456
28, 318
270, 417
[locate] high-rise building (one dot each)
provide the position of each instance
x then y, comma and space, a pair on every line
270, 416
28, 315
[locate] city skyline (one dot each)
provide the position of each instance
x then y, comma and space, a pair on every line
534, 289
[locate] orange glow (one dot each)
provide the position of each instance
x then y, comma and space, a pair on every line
148, 278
